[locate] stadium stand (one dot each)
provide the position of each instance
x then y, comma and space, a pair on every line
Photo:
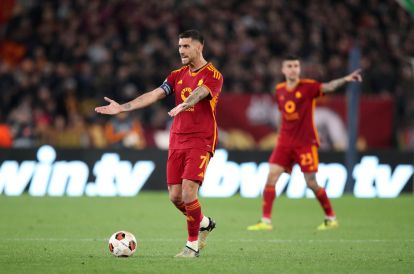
59, 58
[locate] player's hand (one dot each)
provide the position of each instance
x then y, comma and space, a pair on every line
111, 109
178, 109
354, 76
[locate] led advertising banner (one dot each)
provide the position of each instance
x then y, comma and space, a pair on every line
47, 171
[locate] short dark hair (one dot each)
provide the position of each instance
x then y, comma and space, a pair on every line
193, 34
291, 57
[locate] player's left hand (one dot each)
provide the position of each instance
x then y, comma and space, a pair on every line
354, 76
111, 109
178, 109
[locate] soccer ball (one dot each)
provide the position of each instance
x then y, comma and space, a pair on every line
122, 244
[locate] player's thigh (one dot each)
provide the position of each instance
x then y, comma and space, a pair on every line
283, 157
195, 165
307, 158
175, 166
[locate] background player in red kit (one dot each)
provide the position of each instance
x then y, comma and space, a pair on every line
298, 140
193, 136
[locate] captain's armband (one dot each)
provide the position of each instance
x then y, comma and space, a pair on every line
167, 88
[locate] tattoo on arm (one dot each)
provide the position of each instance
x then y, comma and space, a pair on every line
197, 95
126, 106
144, 100
333, 85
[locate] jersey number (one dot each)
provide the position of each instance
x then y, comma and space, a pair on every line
204, 161
203, 165
306, 159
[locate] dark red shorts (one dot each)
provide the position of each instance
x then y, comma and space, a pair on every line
306, 157
187, 164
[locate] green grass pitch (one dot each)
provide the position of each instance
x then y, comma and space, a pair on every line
70, 235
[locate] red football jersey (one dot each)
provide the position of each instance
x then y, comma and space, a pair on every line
297, 107
195, 127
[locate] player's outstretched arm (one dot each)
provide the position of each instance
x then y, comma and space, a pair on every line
337, 83
198, 94
141, 101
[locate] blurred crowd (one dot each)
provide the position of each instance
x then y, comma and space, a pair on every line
58, 59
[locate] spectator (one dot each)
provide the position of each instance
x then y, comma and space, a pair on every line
124, 131
6, 140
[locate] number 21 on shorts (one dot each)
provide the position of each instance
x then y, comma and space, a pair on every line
306, 159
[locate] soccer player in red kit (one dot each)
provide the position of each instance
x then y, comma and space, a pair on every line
298, 139
193, 136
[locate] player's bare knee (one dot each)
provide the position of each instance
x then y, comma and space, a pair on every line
310, 176
174, 193
311, 182
176, 198
189, 192
314, 187
188, 197
273, 177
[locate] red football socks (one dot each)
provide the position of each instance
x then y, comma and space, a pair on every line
269, 195
194, 217
325, 202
